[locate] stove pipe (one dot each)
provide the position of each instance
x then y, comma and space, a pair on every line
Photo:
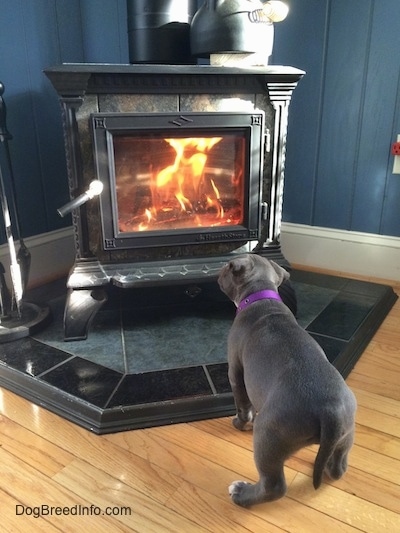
159, 31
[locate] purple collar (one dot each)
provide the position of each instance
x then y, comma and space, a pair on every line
260, 295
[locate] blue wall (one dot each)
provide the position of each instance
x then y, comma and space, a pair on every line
35, 34
344, 115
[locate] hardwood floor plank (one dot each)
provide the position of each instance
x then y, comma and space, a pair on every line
13, 521
144, 513
383, 443
38, 493
379, 421
389, 332
222, 516
374, 463
375, 384
303, 461
383, 362
344, 507
365, 485
377, 402
207, 445
167, 449
36, 451
369, 488
97, 451
223, 429
364, 459
216, 514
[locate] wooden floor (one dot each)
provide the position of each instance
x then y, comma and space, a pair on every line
175, 478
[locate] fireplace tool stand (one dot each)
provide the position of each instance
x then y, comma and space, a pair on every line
18, 318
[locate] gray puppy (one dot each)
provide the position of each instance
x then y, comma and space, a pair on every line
278, 372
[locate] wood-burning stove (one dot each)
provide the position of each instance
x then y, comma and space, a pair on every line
191, 159
174, 179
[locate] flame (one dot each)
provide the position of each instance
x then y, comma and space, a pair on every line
186, 192
143, 226
216, 191
182, 180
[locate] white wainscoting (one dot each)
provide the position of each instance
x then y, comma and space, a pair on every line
52, 256
348, 252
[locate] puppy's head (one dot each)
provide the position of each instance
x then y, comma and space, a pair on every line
250, 273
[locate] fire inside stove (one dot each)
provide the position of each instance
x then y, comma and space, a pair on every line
178, 182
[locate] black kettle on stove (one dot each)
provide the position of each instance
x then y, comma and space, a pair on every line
233, 26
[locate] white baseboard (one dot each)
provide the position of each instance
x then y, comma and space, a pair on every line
350, 252
52, 256
347, 252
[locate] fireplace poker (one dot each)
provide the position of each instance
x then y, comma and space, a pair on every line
15, 270
23, 257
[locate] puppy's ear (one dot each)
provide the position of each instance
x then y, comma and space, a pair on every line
239, 266
281, 272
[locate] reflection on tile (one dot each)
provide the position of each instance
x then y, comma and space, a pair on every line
332, 347
311, 300
219, 376
85, 380
363, 287
319, 280
343, 316
161, 386
30, 356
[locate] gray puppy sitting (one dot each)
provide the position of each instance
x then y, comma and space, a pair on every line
283, 382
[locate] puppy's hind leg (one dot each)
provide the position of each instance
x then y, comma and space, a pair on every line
269, 461
245, 412
337, 464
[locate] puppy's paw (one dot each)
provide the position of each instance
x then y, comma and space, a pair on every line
244, 422
236, 486
236, 490
238, 424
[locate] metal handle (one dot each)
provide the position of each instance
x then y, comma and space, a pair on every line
4, 133
95, 188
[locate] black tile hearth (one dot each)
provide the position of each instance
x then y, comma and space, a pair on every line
161, 386
158, 356
30, 356
83, 379
343, 316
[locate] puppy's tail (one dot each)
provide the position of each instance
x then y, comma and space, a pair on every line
329, 438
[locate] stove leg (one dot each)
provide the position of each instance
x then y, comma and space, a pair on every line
80, 309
